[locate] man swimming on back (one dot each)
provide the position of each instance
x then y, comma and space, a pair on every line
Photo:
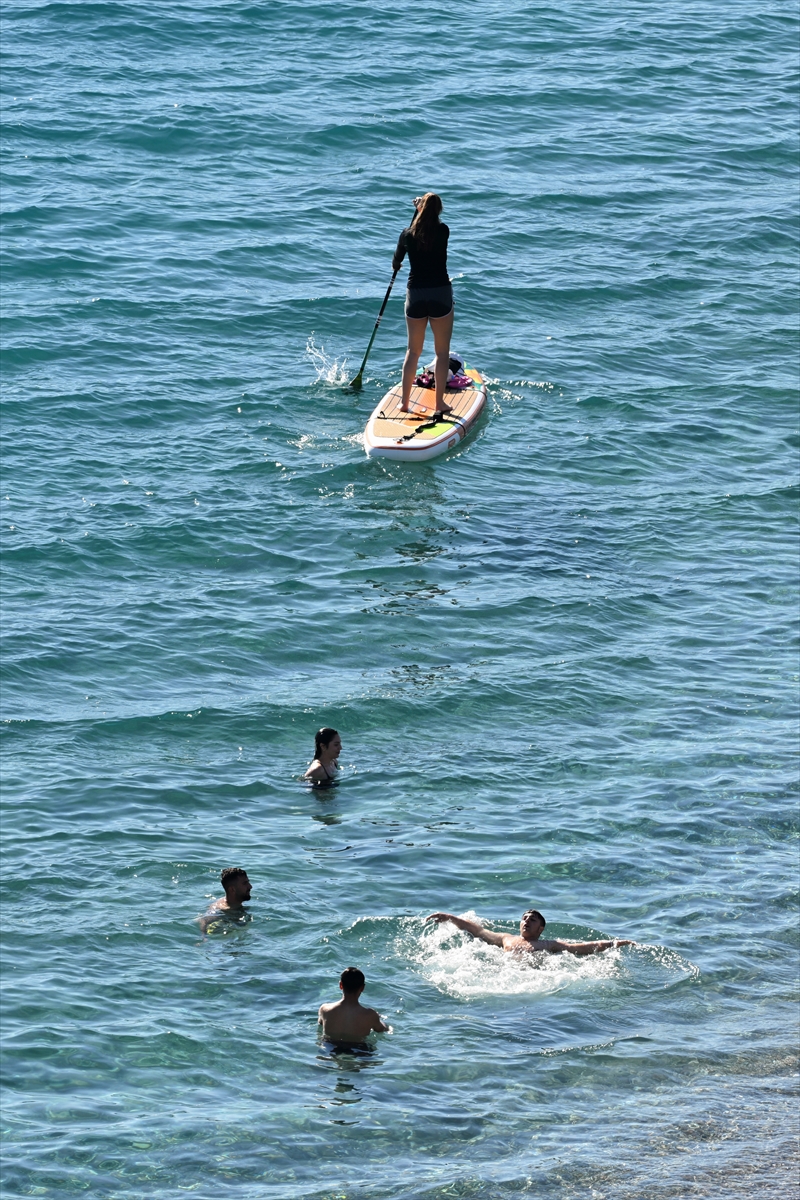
346, 1020
531, 928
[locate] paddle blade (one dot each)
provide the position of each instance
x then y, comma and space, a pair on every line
357, 382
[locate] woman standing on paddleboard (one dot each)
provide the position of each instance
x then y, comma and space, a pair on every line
430, 293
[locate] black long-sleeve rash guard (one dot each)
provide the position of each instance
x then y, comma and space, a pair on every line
427, 264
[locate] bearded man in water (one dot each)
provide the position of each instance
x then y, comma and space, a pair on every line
530, 938
229, 907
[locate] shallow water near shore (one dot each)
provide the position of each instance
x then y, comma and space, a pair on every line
563, 660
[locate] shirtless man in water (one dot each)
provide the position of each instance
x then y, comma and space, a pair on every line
530, 938
229, 907
347, 1020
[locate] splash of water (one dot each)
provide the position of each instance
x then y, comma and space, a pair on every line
329, 370
461, 966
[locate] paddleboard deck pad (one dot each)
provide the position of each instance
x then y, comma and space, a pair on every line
420, 434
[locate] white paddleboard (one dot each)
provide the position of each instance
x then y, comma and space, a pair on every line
417, 435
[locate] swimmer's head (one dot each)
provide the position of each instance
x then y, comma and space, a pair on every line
328, 739
352, 981
532, 924
237, 885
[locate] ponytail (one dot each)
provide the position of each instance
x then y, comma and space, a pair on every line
427, 218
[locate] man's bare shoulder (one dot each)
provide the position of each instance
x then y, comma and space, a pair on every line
512, 941
215, 910
376, 1021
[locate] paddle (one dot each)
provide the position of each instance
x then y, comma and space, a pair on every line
357, 381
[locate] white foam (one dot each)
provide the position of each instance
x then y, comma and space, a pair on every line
329, 370
461, 966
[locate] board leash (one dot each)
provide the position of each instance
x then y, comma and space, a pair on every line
437, 419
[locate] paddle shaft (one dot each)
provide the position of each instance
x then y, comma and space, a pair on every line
356, 382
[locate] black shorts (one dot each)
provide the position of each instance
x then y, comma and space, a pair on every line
429, 302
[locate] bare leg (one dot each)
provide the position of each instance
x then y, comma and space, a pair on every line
442, 329
416, 340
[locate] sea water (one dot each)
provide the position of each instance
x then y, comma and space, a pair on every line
562, 660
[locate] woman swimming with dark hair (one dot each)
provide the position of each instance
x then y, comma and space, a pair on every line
327, 748
430, 293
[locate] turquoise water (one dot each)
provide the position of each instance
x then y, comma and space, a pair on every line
563, 660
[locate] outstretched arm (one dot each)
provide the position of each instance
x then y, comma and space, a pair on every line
582, 948
472, 927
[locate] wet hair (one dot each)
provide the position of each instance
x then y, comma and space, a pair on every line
323, 737
352, 980
229, 875
534, 912
427, 218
